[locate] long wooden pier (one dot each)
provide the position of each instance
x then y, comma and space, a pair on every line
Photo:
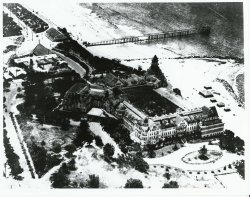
150, 37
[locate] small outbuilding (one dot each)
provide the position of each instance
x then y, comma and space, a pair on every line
208, 87
227, 109
206, 94
213, 100
220, 104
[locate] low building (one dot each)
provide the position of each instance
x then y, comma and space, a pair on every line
221, 104
98, 114
213, 100
227, 109
206, 94
208, 87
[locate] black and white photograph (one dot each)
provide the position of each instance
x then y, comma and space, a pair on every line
111, 95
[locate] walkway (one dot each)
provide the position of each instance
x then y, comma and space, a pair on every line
72, 64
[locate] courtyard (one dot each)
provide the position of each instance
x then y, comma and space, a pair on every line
148, 101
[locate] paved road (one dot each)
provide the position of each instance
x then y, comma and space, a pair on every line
15, 134
72, 64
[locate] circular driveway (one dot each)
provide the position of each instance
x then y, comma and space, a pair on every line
175, 159
193, 157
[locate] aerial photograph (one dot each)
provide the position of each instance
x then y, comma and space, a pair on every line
123, 95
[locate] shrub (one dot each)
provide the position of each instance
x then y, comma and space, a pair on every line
175, 147
133, 183
139, 164
108, 150
240, 167
167, 175
171, 184
56, 148
59, 180
93, 181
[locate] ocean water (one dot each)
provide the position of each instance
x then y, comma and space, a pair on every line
225, 20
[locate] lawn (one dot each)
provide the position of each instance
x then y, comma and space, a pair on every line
45, 142
32, 130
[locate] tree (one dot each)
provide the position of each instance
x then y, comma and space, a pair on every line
133, 183
203, 150
155, 64
239, 143
70, 148
177, 91
140, 71
83, 134
19, 89
43, 143
56, 147
240, 167
84, 125
64, 168
59, 180
171, 184
65, 123
139, 164
203, 153
139, 153
39, 157
88, 138
151, 153
108, 150
136, 146
167, 175
175, 147
12, 157
123, 147
231, 143
71, 164
98, 141
155, 70
93, 181
116, 91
